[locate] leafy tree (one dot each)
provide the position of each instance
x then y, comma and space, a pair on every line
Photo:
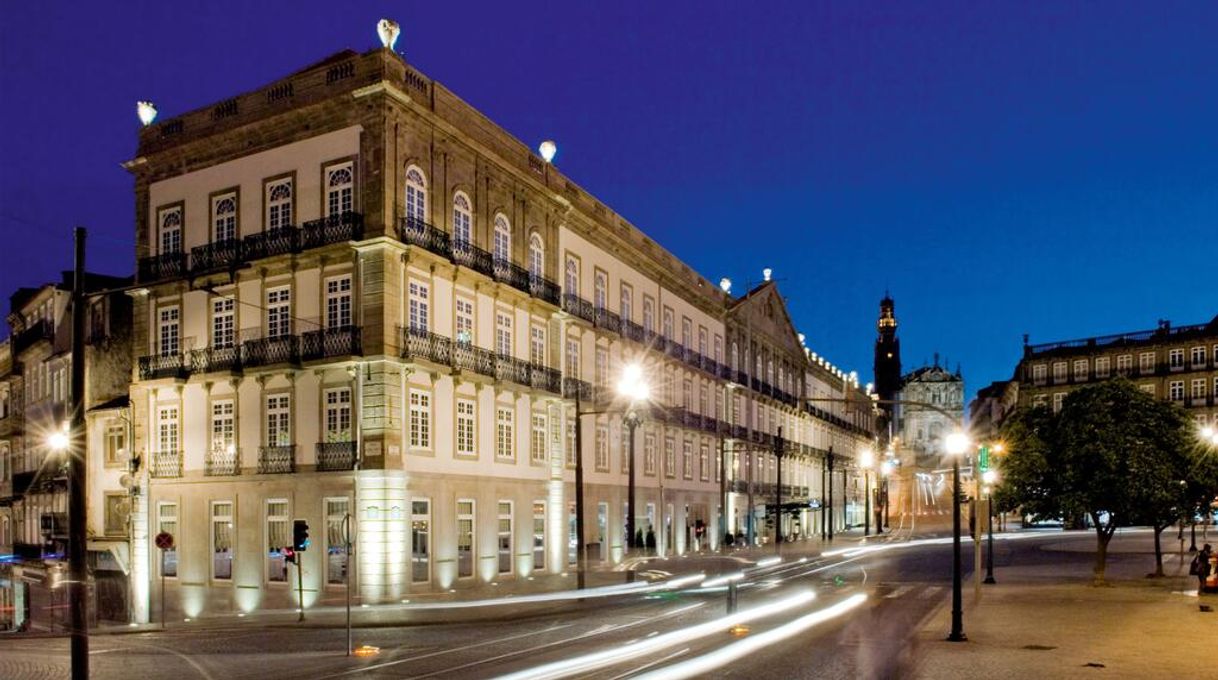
1113, 454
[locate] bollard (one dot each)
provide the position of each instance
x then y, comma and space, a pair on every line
731, 597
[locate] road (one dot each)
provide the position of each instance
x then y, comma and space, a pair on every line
877, 598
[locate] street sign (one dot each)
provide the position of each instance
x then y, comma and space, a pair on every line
164, 540
983, 459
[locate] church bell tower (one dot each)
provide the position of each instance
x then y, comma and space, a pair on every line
887, 365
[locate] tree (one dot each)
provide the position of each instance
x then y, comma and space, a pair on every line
1111, 454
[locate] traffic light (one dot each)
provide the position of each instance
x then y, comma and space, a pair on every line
289, 555
300, 535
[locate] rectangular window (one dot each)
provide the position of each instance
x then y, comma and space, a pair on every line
687, 460
1146, 363
537, 345
338, 415
504, 448
600, 292
279, 204
1198, 388
340, 189
223, 322
570, 442
539, 535
223, 431
1198, 357
420, 319
1175, 359
1148, 388
278, 537
718, 349
465, 539
465, 427
338, 302
1124, 364
687, 340
573, 359
420, 540
1176, 390
278, 312
667, 329
222, 540
167, 429
627, 303
1059, 372
1080, 369
115, 514
537, 444
601, 368
420, 419
278, 420
702, 340
602, 448
1101, 367
670, 458
503, 334
649, 315
649, 454
505, 537
704, 462
169, 331
167, 522
116, 444
465, 321
337, 525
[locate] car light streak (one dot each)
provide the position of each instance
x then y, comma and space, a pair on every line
722, 580
737, 650
768, 562
606, 591
613, 656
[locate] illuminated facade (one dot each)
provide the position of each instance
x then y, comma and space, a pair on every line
365, 305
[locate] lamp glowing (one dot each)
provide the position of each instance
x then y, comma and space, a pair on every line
766, 273
632, 385
146, 111
956, 443
547, 149
867, 458
989, 477
58, 441
886, 468
726, 284
1207, 432
388, 31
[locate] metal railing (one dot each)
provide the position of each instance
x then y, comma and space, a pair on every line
218, 255
222, 463
331, 342
166, 464
277, 241
333, 456
348, 226
161, 267
267, 351
163, 366
216, 359
273, 460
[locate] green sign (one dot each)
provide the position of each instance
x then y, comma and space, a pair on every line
983, 458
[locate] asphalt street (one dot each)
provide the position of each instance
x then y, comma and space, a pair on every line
849, 613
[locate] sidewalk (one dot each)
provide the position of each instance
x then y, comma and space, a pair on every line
1047, 621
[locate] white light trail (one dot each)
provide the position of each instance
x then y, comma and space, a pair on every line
613, 656
737, 650
605, 591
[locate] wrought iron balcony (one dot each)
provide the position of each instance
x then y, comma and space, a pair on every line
574, 387
216, 256
608, 320
633, 331
222, 463
544, 289
267, 351
166, 464
545, 378
332, 456
343, 341
416, 232
469, 357
216, 359
164, 366
274, 460
469, 255
512, 369
162, 267
277, 241
348, 226
422, 344
577, 306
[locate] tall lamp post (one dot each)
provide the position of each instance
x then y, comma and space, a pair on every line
881, 515
956, 443
636, 389
866, 461
989, 477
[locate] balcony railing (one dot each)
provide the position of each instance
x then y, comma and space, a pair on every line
333, 456
608, 320
416, 232
166, 464
162, 267
215, 256
163, 366
512, 369
267, 351
544, 289
418, 343
577, 306
222, 463
331, 342
277, 241
348, 226
274, 460
421, 344
216, 359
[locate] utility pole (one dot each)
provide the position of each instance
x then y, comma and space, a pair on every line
830, 492
580, 548
778, 451
77, 450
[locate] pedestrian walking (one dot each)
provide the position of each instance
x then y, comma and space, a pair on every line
1200, 567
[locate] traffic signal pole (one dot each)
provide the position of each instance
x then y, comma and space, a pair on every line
78, 579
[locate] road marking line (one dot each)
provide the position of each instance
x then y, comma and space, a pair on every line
645, 666
931, 591
898, 592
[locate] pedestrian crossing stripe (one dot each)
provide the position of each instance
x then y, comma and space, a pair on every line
898, 592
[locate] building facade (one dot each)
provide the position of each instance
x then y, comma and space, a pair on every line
35, 393
366, 306
1172, 363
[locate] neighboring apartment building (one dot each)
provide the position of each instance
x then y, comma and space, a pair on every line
991, 406
365, 305
35, 393
1173, 363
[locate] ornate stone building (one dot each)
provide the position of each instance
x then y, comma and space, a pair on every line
366, 306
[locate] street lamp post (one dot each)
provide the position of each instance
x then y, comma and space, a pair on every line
881, 515
636, 389
989, 477
957, 444
866, 460
632, 421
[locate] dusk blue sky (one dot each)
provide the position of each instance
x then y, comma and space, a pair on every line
1002, 168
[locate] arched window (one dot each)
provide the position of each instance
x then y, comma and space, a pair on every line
171, 230
279, 204
416, 195
462, 221
224, 218
340, 190
571, 281
734, 358
537, 255
503, 240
